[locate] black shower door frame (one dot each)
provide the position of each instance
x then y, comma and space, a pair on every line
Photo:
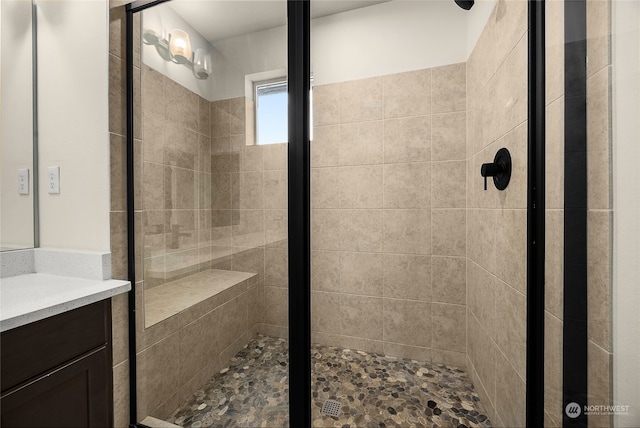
299, 214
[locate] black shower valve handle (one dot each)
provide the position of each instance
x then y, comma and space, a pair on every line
491, 170
499, 169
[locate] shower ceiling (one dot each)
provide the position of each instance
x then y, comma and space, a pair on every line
218, 20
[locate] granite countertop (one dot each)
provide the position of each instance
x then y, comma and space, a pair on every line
32, 297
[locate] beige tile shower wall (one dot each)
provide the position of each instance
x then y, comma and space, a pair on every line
389, 214
496, 220
118, 224
599, 214
176, 183
249, 209
554, 251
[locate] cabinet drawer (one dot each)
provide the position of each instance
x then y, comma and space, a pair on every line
35, 348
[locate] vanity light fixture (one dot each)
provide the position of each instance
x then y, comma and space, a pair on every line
180, 47
201, 64
176, 47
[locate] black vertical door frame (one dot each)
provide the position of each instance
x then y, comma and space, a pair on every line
131, 9
131, 254
299, 197
574, 326
299, 74
536, 216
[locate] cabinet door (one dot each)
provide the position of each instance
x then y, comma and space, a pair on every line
75, 395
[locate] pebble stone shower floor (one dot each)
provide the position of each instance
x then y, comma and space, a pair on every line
375, 391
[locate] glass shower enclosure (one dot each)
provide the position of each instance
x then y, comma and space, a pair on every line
382, 212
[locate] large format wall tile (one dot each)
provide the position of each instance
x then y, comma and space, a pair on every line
510, 394
407, 231
600, 373
448, 92
325, 229
361, 100
449, 279
407, 185
361, 273
449, 327
511, 334
449, 136
407, 139
481, 297
158, 373
325, 188
407, 322
325, 312
482, 354
325, 271
325, 145
326, 105
598, 35
408, 94
361, 187
448, 184
448, 232
553, 368
361, 143
359, 316
361, 230
407, 276
511, 248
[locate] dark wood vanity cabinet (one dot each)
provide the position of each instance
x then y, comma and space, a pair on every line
57, 372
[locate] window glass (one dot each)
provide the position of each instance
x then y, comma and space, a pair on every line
271, 113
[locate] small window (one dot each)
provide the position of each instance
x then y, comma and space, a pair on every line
271, 112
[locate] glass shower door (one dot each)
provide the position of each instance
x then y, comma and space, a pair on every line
212, 201
592, 248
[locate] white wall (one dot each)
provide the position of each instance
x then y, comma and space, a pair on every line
163, 17
16, 144
73, 123
381, 39
239, 56
626, 206
387, 38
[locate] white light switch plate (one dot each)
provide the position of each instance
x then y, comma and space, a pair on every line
23, 181
54, 179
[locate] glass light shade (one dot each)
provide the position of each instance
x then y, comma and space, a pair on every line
180, 46
202, 64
